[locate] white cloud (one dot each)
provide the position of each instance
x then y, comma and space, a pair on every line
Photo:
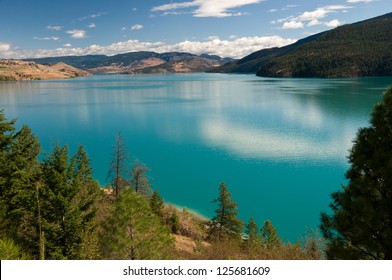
292, 25
137, 27
235, 48
333, 23
4, 47
68, 45
359, 1
46, 38
54, 27
92, 16
92, 25
207, 8
77, 33
312, 18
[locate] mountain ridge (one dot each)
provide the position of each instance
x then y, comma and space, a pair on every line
139, 62
353, 50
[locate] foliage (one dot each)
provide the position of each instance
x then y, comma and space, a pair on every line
139, 180
352, 50
157, 204
360, 224
133, 231
253, 237
11, 251
174, 223
225, 223
355, 50
19, 173
118, 166
269, 235
68, 197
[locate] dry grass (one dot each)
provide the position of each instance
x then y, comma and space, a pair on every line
15, 70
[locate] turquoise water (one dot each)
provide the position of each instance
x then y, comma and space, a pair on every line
279, 144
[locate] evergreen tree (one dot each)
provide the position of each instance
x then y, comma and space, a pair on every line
139, 180
118, 166
11, 251
19, 172
157, 204
86, 202
225, 223
269, 235
133, 231
6, 134
252, 230
174, 222
360, 226
68, 196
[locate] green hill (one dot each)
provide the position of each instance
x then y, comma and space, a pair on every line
352, 50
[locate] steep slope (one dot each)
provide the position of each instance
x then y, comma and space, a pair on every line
251, 63
355, 50
16, 70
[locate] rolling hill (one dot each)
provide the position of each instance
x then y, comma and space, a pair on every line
16, 70
139, 62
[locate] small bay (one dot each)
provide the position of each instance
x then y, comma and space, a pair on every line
280, 145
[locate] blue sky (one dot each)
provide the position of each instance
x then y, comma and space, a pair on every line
229, 28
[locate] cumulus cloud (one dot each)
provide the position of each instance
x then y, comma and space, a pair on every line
137, 27
333, 23
206, 8
54, 27
92, 25
68, 45
4, 47
77, 33
235, 48
312, 18
292, 25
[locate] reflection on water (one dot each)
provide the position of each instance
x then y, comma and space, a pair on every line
277, 143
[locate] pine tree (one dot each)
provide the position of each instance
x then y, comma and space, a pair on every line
252, 230
269, 235
133, 231
118, 166
68, 196
225, 223
86, 202
157, 204
360, 226
19, 175
139, 180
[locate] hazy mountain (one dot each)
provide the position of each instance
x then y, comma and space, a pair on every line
140, 62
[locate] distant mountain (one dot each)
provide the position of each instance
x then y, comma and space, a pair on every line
140, 62
353, 50
16, 70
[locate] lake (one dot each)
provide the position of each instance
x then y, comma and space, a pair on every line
279, 144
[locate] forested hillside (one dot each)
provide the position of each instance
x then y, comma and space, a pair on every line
352, 50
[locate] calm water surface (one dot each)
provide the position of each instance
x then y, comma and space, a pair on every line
279, 144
